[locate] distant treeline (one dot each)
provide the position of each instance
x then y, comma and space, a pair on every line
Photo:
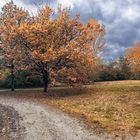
115, 70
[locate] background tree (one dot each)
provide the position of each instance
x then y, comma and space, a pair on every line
114, 70
133, 59
124, 68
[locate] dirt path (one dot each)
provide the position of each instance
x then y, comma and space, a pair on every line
46, 123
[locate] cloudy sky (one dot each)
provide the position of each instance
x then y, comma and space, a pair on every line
120, 17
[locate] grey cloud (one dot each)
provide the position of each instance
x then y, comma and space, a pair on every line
121, 18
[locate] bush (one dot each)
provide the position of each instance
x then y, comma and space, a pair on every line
23, 79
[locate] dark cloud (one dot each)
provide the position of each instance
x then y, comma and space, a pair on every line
121, 18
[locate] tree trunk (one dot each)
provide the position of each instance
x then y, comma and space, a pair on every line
46, 80
12, 78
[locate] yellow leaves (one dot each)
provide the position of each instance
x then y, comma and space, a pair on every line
95, 26
92, 23
22, 27
38, 56
50, 55
44, 14
35, 53
34, 26
72, 79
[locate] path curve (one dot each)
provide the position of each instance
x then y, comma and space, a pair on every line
46, 123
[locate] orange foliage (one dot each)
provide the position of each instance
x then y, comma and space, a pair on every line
11, 18
133, 58
60, 45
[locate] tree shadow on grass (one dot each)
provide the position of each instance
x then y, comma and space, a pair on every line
65, 92
55, 92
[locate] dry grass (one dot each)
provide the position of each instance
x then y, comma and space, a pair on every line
112, 107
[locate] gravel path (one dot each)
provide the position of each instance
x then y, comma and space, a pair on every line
9, 124
46, 123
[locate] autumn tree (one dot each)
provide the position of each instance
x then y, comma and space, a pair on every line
58, 46
12, 55
133, 58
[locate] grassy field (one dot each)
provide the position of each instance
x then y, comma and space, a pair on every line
108, 106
